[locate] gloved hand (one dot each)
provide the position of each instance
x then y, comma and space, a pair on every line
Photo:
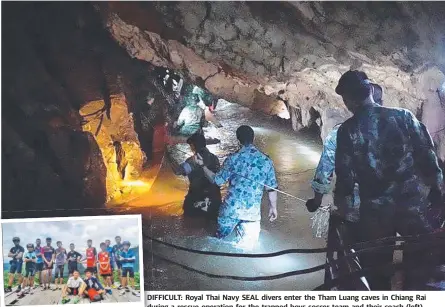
313, 204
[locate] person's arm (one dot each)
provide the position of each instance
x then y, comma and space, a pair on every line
272, 183
344, 169
182, 117
425, 159
99, 284
132, 258
11, 254
219, 178
78, 257
20, 254
179, 169
82, 257
53, 257
321, 183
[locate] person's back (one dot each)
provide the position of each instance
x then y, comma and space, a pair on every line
201, 188
250, 171
191, 119
390, 154
384, 155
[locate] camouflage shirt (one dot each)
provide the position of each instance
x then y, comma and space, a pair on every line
390, 154
325, 171
246, 171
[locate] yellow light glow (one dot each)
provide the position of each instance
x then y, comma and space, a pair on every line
135, 183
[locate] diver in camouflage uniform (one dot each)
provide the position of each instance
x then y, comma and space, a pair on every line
390, 154
321, 183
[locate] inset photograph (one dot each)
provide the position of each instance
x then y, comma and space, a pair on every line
79, 260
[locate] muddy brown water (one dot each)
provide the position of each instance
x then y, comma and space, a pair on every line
295, 156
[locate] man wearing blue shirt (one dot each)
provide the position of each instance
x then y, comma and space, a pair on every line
247, 171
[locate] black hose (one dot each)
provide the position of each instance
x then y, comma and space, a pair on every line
359, 273
363, 246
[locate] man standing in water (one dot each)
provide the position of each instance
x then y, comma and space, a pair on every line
248, 172
16, 254
203, 197
390, 154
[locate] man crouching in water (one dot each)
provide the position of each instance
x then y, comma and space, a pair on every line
204, 196
248, 171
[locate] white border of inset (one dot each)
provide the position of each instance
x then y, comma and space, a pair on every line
81, 218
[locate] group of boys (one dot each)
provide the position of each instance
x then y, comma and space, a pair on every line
41, 260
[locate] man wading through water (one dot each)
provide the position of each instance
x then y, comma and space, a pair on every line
390, 155
247, 171
203, 197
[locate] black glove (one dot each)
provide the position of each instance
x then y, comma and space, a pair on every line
312, 205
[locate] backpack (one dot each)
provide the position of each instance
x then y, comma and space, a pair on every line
94, 295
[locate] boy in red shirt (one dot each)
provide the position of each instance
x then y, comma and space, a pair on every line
104, 258
91, 258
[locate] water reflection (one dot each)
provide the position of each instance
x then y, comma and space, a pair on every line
293, 155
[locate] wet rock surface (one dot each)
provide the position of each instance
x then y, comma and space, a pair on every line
117, 140
57, 57
293, 51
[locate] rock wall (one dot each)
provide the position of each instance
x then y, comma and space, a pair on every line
291, 51
56, 58
118, 142
48, 161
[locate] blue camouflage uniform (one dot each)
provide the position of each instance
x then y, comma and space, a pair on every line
390, 154
325, 170
246, 171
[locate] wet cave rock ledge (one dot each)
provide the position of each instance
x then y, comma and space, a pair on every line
263, 55
259, 54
